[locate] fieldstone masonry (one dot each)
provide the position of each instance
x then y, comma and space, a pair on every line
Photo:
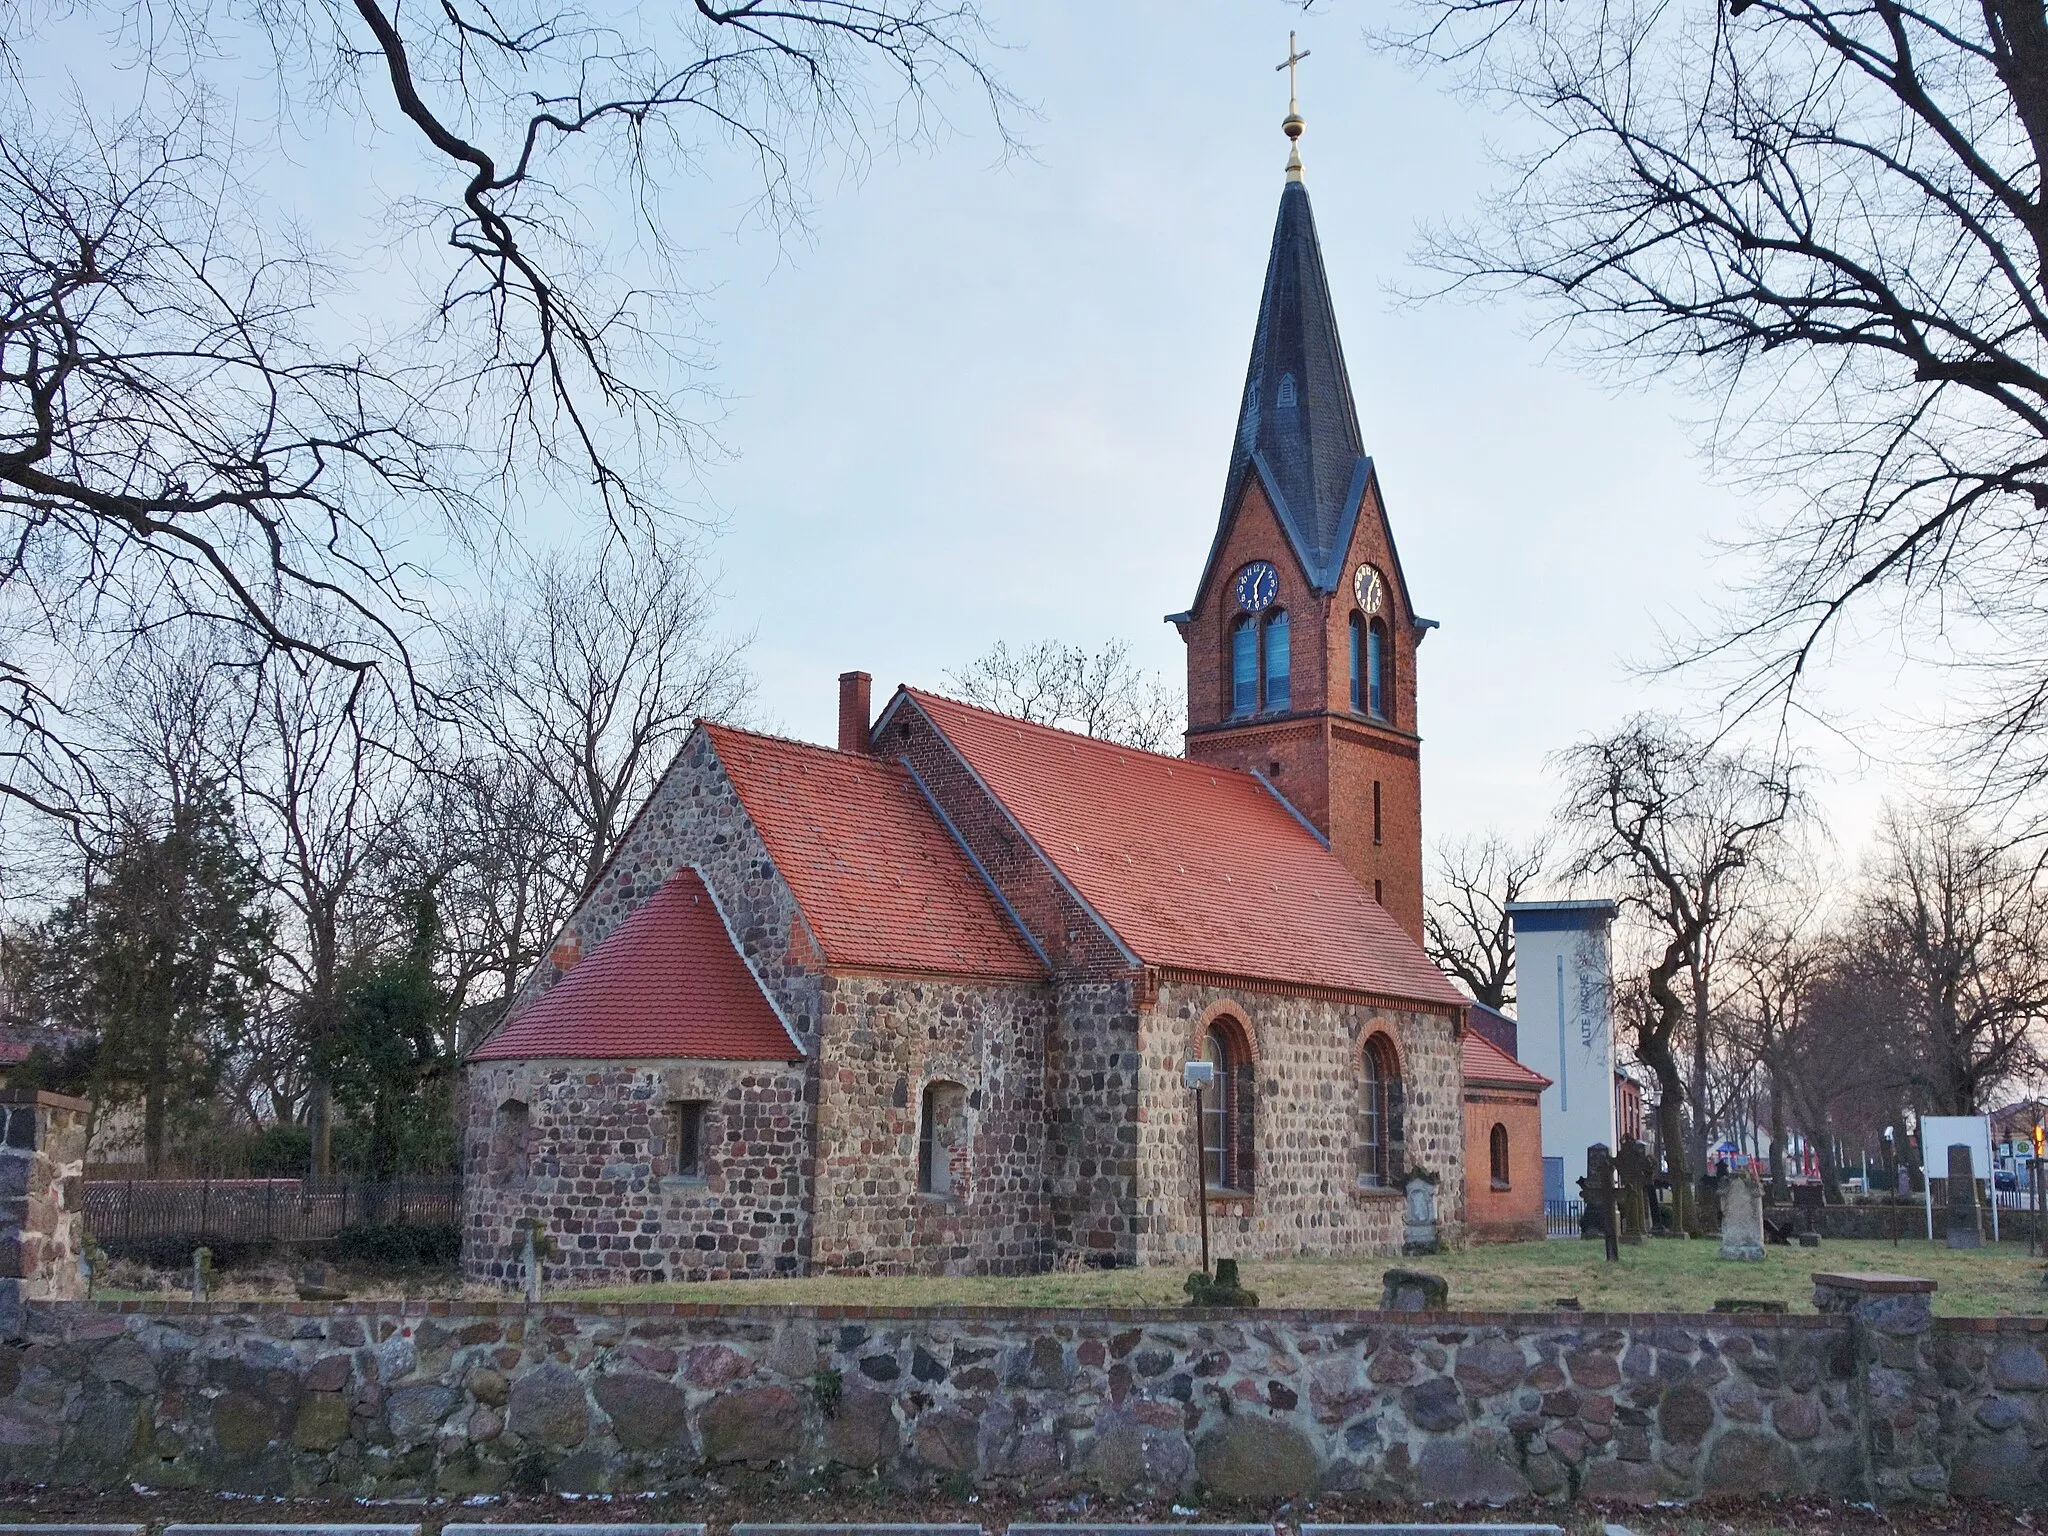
42, 1200
455, 1399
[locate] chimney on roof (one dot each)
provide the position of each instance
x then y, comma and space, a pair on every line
854, 689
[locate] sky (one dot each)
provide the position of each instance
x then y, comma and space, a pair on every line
988, 399
985, 397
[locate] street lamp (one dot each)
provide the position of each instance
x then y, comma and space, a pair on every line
1198, 1075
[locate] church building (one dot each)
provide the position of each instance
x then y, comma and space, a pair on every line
921, 1002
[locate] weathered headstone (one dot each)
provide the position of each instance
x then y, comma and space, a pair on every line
315, 1284
1418, 1231
1742, 1217
1636, 1173
1414, 1290
1965, 1220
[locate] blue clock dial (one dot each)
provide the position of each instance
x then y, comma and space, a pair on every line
1257, 585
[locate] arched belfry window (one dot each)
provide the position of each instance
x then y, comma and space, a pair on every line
1380, 1150
1279, 661
1244, 666
1378, 683
1357, 662
1497, 1155
1227, 1109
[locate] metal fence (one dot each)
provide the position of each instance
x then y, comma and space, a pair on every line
1561, 1217
262, 1210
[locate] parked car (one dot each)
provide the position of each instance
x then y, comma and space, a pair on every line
2006, 1178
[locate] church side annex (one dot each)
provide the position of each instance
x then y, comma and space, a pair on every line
920, 1003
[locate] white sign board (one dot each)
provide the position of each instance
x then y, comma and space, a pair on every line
1940, 1132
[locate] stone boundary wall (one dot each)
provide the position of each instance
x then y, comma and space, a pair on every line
459, 1398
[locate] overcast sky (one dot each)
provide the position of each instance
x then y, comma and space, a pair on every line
987, 400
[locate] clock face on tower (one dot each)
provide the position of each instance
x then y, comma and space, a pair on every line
1257, 585
1369, 589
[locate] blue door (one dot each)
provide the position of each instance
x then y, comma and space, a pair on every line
1553, 1180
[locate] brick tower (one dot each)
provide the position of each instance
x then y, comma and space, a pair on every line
1301, 638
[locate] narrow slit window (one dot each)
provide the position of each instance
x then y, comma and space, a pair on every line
1357, 663
686, 1138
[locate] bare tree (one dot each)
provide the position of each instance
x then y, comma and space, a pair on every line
1949, 949
1828, 215
202, 420
1097, 693
1465, 928
326, 776
583, 675
1689, 828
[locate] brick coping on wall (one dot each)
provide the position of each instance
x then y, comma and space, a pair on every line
1154, 1316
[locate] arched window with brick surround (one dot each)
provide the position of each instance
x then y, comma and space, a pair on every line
1380, 1130
1227, 1107
1497, 1155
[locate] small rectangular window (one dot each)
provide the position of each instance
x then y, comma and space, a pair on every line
686, 1138
1375, 810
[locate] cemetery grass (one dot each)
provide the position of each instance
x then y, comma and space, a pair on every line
1661, 1275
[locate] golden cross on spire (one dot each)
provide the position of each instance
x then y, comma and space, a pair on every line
1292, 125
1293, 58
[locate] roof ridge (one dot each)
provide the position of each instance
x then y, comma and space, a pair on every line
925, 695
720, 726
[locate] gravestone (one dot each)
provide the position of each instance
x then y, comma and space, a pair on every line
1599, 1184
1965, 1220
1636, 1173
1418, 1231
1742, 1217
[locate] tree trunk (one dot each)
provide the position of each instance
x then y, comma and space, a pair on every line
1653, 1049
1696, 1148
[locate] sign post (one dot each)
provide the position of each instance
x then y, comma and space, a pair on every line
1197, 1074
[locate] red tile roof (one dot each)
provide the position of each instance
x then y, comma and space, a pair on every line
1191, 866
881, 881
666, 982
1485, 1062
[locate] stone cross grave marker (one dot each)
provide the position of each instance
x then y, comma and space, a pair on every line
1637, 1172
1965, 1221
1742, 1217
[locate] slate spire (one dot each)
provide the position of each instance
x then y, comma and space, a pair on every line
1297, 428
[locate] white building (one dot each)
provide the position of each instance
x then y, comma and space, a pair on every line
1564, 1007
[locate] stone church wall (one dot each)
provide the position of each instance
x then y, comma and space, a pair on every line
1305, 1195
884, 1040
456, 1399
588, 1155
1092, 1077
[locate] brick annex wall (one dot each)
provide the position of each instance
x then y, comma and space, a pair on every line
1306, 1195
1514, 1214
885, 1039
456, 1399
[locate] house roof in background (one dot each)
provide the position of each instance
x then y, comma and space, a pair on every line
881, 880
667, 982
1191, 866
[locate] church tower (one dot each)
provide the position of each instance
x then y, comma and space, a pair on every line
1302, 640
